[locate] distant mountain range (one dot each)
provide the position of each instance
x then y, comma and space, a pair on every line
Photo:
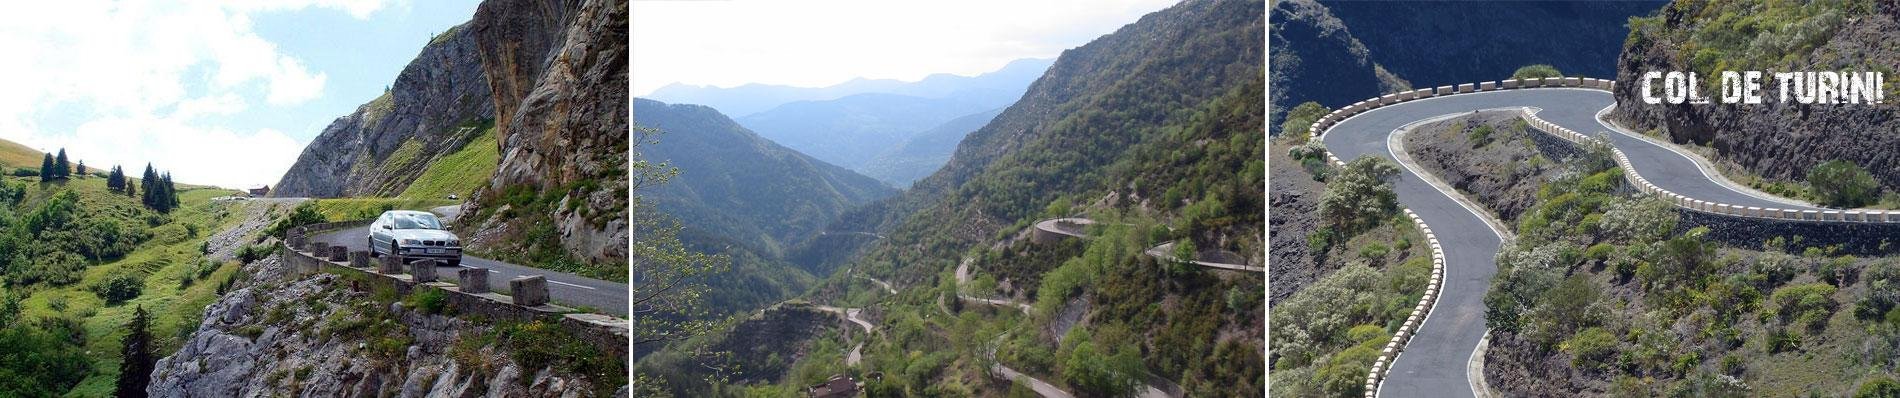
871, 126
738, 102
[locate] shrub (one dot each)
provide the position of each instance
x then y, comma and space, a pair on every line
1844, 184
1879, 387
1536, 71
429, 301
1804, 304
1590, 348
119, 288
1360, 196
1480, 136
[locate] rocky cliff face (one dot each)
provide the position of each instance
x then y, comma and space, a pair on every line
557, 74
1316, 58
386, 143
1778, 141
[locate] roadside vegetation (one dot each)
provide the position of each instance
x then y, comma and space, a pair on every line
1537, 71
1379, 268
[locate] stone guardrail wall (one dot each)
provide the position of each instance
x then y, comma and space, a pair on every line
1419, 312
469, 294
1643, 184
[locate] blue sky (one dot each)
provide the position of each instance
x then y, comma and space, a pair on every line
218, 92
820, 43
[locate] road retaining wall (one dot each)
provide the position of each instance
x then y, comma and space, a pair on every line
1419, 312
608, 333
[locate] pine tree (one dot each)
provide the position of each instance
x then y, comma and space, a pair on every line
115, 179
131, 188
136, 350
168, 198
81, 169
46, 168
62, 169
150, 178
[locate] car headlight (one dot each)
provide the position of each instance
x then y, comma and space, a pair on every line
411, 242
455, 242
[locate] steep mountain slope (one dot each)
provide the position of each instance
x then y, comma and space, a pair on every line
1437, 43
558, 73
850, 131
1775, 141
1003, 84
1316, 58
926, 151
1157, 125
736, 184
433, 109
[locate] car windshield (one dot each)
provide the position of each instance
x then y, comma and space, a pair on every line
416, 221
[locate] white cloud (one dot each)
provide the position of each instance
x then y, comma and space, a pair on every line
150, 79
817, 43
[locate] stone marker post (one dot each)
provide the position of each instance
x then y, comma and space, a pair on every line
359, 259
473, 280
392, 264
422, 271
529, 290
339, 253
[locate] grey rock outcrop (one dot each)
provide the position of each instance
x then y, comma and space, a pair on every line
557, 70
314, 336
379, 149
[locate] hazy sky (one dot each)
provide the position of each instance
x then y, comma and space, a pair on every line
223, 92
819, 43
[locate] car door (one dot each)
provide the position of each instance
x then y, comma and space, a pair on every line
379, 237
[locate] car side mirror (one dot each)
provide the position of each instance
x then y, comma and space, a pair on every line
386, 226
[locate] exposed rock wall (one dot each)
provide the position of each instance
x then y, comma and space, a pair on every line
1778, 141
557, 73
363, 154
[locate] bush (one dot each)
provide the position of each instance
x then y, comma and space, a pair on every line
119, 288
1842, 183
25, 172
1360, 196
1804, 304
1536, 71
303, 214
1590, 348
429, 301
250, 253
1880, 387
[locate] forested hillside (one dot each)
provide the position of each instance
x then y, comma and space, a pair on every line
1154, 129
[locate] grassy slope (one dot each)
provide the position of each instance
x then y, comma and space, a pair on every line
13, 154
345, 209
172, 252
459, 173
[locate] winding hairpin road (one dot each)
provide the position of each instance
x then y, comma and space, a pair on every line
1438, 360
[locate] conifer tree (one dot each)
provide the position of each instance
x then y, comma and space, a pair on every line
62, 169
81, 169
46, 168
136, 350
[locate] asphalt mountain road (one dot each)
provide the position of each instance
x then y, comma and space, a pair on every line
564, 288
1434, 363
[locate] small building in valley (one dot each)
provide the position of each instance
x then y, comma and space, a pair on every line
840, 386
260, 191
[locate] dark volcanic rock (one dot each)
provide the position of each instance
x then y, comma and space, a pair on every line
1778, 141
1315, 58
441, 91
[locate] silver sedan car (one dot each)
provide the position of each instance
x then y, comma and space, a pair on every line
413, 235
